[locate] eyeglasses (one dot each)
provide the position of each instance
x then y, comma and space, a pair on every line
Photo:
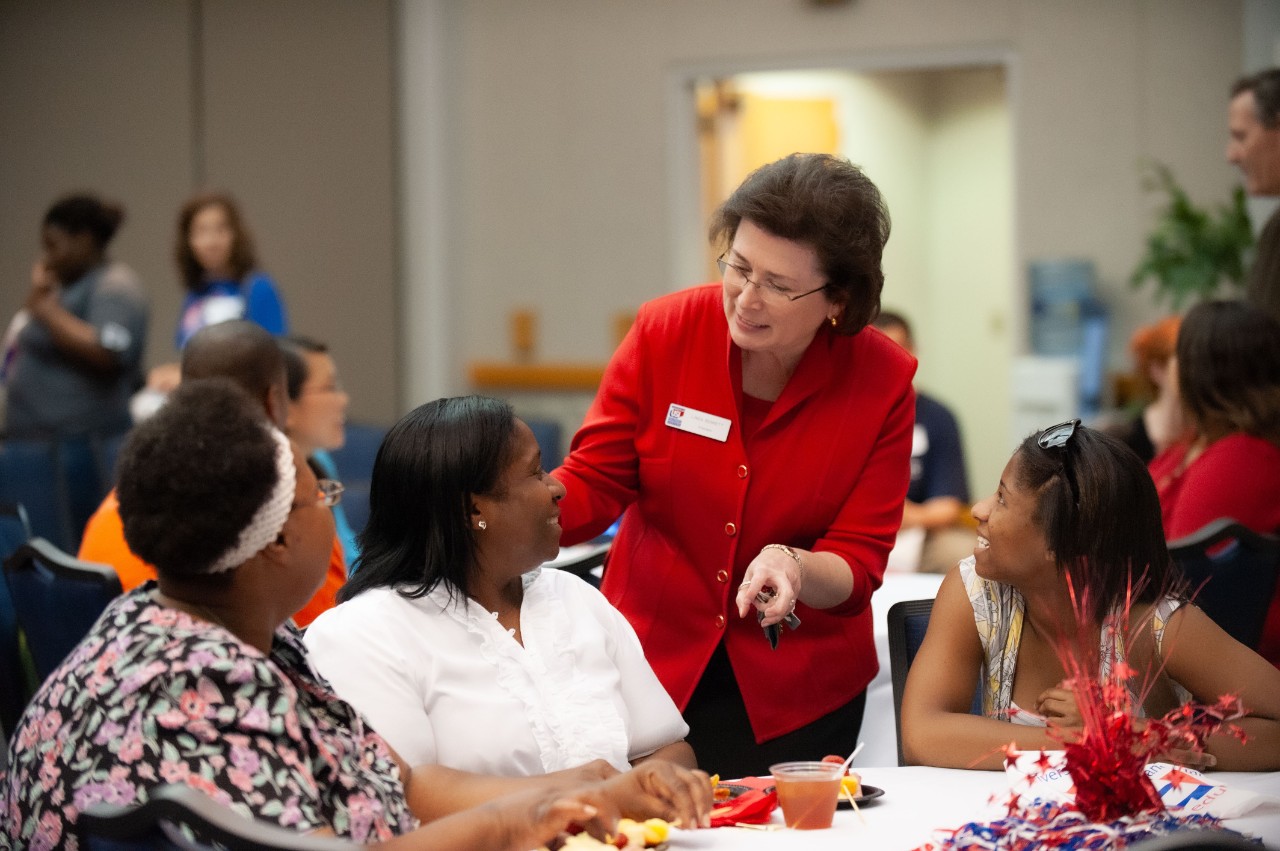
335, 387
328, 493
1059, 437
735, 276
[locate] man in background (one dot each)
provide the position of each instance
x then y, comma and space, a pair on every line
933, 517
243, 352
1253, 121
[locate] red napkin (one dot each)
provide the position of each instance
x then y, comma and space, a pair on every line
753, 801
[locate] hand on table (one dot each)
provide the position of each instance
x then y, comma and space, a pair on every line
654, 789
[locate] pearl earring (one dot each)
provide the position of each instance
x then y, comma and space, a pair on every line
483, 525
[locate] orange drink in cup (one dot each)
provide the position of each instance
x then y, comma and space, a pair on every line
807, 792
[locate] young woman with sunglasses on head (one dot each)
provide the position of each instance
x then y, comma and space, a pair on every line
1075, 514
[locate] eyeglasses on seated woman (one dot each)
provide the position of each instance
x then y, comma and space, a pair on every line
1073, 532
200, 678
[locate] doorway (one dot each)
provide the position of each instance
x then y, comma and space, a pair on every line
937, 142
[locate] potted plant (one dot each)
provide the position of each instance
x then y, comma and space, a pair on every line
1192, 251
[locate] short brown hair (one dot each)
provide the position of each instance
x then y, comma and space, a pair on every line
827, 203
1229, 370
243, 258
1265, 86
1153, 345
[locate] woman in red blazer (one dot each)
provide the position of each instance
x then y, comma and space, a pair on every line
755, 436
1227, 365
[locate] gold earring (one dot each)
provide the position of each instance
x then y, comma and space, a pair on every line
483, 525
832, 320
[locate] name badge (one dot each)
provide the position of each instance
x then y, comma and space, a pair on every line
698, 422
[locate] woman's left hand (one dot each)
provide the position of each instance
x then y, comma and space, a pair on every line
772, 569
1058, 706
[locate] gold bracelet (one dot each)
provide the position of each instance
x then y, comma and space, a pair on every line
795, 556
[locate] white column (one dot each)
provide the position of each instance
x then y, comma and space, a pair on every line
422, 197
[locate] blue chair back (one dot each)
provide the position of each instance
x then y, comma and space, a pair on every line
908, 623
547, 433
29, 476
106, 451
355, 467
1232, 571
80, 465
57, 599
60, 482
179, 818
14, 532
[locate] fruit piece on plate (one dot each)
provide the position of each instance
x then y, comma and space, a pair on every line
656, 831
631, 834
851, 784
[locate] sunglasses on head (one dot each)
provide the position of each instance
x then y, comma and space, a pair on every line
1056, 436
1059, 437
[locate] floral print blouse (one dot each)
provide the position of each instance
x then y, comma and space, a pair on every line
153, 695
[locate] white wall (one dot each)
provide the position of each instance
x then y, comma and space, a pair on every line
563, 168
287, 105
937, 143
973, 325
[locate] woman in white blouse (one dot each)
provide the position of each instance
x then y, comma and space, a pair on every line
453, 642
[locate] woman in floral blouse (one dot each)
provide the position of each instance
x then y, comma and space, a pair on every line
200, 679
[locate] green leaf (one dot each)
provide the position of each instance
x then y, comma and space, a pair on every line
1191, 251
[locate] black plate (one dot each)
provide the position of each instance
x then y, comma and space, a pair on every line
869, 794
736, 789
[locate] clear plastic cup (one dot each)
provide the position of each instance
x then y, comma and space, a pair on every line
807, 792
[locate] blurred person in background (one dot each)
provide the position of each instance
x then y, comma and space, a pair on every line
317, 418
1253, 125
1227, 365
215, 255
937, 503
73, 353
1161, 422
246, 354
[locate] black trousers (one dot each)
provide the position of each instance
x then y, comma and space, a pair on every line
724, 743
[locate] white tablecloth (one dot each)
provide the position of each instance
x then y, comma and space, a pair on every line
918, 801
877, 722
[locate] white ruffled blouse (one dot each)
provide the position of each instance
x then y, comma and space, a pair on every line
445, 683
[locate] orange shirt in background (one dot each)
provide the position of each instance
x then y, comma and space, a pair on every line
104, 543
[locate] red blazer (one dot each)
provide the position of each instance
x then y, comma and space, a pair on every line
827, 470
1236, 476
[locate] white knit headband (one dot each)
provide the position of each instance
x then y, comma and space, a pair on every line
270, 517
